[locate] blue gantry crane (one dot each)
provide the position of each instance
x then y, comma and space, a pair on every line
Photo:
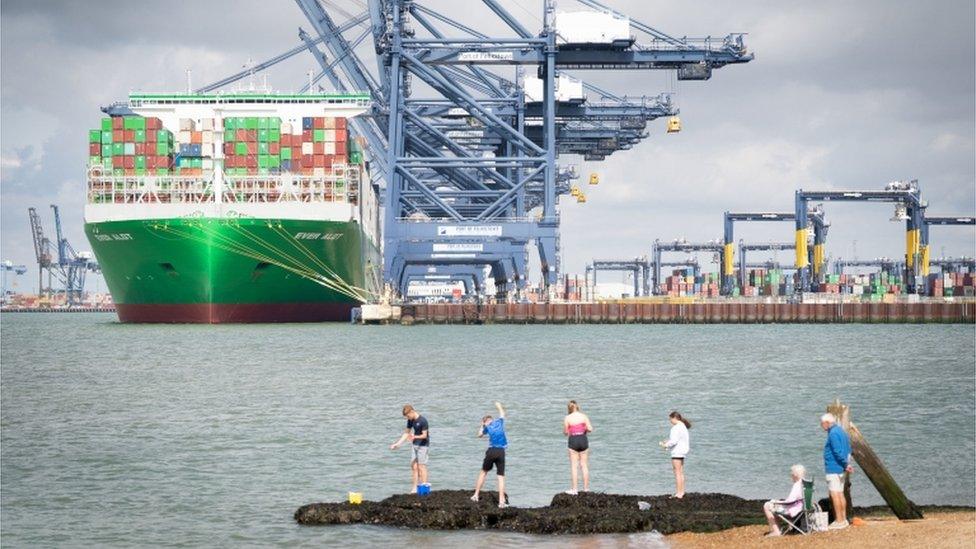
746, 247
9, 267
62, 263
884, 264
638, 268
814, 214
658, 248
909, 206
469, 156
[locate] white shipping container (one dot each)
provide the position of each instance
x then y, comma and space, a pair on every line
286, 127
330, 147
330, 135
187, 124
207, 136
208, 163
592, 27
184, 136
568, 89
306, 148
207, 124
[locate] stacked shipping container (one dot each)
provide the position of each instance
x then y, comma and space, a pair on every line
135, 145
131, 145
952, 285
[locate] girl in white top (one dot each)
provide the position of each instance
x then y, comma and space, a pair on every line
678, 444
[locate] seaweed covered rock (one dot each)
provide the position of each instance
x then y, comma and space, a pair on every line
586, 513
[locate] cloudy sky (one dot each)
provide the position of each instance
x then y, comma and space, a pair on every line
842, 95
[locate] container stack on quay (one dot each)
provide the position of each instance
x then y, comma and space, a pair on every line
682, 284
131, 145
952, 285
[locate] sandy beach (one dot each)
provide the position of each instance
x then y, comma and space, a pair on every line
946, 529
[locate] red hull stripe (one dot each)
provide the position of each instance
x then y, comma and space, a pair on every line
219, 313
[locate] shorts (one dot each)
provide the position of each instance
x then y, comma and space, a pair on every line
579, 443
835, 483
420, 454
494, 457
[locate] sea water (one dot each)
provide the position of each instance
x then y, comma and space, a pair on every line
125, 435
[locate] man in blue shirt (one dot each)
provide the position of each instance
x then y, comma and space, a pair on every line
417, 433
837, 461
495, 455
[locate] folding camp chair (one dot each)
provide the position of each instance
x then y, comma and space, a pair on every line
802, 522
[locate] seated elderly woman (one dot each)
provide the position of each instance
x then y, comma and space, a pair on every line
790, 506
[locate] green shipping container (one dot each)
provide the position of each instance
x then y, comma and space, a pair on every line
140, 136
262, 123
140, 171
318, 135
162, 171
140, 162
107, 137
274, 161
286, 153
107, 124
263, 171
263, 147
229, 123
107, 164
118, 171
274, 123
356, 158
163, 148
274, 135
251, 123
94, 136
94, 160
229, 134
263, 161
240, 148
118, 149
263, 134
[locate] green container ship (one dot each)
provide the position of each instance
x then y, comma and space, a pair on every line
213, 233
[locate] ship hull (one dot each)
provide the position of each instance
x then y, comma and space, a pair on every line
220, 270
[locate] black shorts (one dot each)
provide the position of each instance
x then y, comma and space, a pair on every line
494, 457
579, 443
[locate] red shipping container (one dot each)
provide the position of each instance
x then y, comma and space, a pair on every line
117, 162
251, 161
140, 149
228, 149
318, 123
274, 148
129, 162
319, 161
252, 147
150, 162
341, 136
252, 135
240, 135
164, 162
118, 123
151, 136
296, 163
318, 148
129, 136
329, 160
308, 161
196, 137
307, 136
296, 151
340, 123
118, 136
286, 140
153, 123
94, 149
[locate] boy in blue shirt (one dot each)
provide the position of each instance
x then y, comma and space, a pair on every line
495, 455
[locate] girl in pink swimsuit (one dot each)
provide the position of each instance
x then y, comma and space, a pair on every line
575, 426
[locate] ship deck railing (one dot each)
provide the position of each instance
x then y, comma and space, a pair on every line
339, 185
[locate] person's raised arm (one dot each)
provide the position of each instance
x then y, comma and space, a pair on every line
403, 438
501, 411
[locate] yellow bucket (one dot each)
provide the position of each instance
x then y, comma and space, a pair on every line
355, 498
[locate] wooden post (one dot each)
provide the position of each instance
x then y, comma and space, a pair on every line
873, 468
